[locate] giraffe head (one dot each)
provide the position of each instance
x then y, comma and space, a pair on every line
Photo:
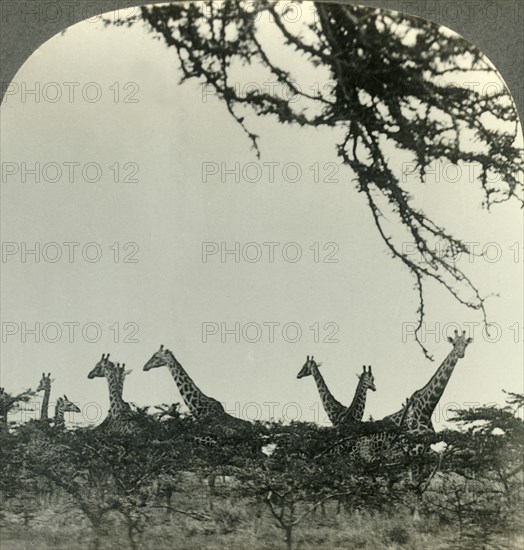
309, 366
63, 404
367, 379
460, 343
159, 359
45, 382
99, 371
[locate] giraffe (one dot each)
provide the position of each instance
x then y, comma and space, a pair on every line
424, 400
199, 404
210, 414
114, 375
338, 413
355, 412
205, 409
121, 373
334, 409
410, 430
45, 386
63, 405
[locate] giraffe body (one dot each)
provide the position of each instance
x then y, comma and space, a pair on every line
388, 440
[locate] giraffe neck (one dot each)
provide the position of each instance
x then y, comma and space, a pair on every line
119, 382
355, 411
44, 415
4, 407
333, 408
193, 397
425, 400
117, 405
59, 415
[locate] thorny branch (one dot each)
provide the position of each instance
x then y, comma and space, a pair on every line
392, 93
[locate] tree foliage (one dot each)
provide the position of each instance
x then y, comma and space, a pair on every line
122, 481
12, 403
482, 477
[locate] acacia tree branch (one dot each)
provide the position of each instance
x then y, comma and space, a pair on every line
393, 90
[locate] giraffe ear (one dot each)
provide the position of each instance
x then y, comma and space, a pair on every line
450, 340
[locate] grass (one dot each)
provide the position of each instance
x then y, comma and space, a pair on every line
235, 525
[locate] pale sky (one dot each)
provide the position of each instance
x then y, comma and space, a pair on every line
170, 293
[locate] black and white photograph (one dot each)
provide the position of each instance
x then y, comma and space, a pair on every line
261, 279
